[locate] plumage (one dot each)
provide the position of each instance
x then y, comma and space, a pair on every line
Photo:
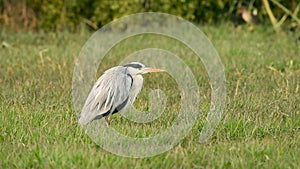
113, 91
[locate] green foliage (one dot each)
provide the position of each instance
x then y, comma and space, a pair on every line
68, 14
107, 11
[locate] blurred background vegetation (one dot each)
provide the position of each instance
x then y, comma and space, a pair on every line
71, 15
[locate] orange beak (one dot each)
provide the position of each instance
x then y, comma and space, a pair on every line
151, 70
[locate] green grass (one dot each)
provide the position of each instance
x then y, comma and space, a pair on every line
261, 128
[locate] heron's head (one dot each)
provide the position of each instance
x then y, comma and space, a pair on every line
141, 68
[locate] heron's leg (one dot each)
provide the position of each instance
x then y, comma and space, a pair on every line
107, 119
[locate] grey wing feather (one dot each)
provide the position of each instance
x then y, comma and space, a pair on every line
111, 90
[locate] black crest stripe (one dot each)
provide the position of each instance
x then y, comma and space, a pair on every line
137, 66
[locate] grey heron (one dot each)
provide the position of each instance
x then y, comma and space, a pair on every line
114, 90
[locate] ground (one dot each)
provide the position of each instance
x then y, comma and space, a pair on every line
260, 128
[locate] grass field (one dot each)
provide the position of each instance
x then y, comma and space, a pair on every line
261, 128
